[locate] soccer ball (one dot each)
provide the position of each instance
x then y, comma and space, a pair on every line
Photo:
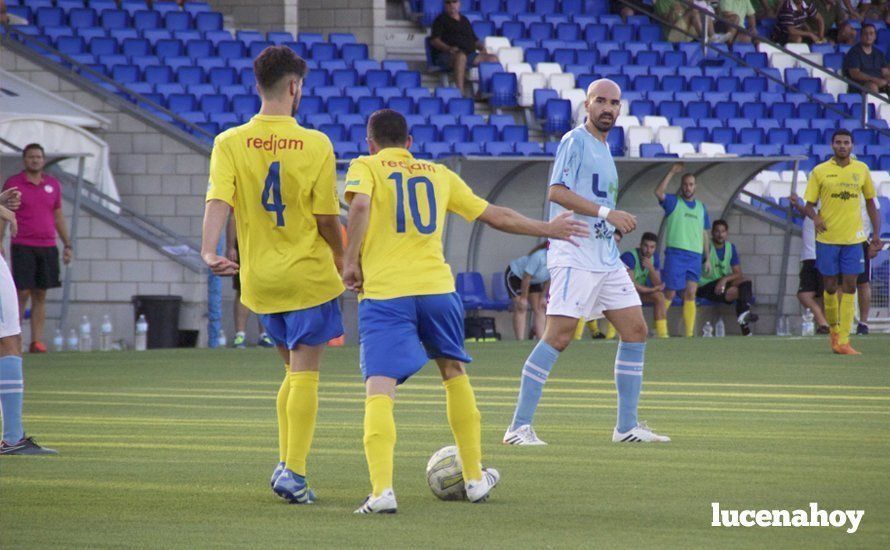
444, 473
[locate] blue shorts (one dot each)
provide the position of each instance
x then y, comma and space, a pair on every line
445, 60
680, 266
839, 259
307, 327
398, 336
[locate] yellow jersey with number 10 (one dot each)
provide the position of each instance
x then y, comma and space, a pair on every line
277, 175
837, 189
410, 198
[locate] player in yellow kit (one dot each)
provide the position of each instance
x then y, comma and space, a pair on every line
280, 179
409, 312
838, 186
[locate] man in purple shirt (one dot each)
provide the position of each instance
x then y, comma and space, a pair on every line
35, 258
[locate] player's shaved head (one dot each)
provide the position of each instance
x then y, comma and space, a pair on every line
603, 104
275, 67
388, 128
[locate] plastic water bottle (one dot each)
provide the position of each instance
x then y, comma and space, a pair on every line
720, 329
72, 340
105, 334
141, 340
782, 326
58, 341
86, 335
707, 331
808, 328
221, 341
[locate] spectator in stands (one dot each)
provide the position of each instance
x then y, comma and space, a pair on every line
688, 20
527, 281
642, 265
456, 42
724, 281
766, 9
686, 242
740, 13
809, 289
35, 258
241, 313
866, 64
846, 34
795, 21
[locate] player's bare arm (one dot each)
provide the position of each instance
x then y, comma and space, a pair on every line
11, 198
356, 228
8, 216
568, 199
875, 218
329, 229
706, 248
676, 169
562, 227
215, 214
817, 219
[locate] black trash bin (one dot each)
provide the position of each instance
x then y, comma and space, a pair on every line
162, 314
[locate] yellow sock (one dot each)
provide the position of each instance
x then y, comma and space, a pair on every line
380, 441
610, 332
466, 424
661, 328
830, 305
848, 311
689, 317
281, 409
667, 305
579, 330
302, 407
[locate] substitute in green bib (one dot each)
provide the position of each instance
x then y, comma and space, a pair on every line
642, 266
724, 282
686, 238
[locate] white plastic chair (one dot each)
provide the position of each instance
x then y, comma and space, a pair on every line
782, 61
711, 149
495, 43
655, 122
519, 69
682, 149
510, 55
669, 134
636, 136
548, 69
528, 83
561, 81
799, 49
576, 97
626, 121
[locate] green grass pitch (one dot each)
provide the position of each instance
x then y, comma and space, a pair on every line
174, 449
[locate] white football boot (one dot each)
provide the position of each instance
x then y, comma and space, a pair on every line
384, 504
523, 435
641, 433
478, 490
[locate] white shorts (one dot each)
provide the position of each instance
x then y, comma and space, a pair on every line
577, 293
9, 303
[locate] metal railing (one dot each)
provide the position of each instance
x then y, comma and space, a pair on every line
707, 45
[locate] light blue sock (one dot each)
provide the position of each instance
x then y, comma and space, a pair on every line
534, 375
629, 381
12, 392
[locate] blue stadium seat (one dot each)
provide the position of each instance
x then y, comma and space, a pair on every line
533, 56
755, 110
154, 35
674, 59
484, 133
158, 74
528, 149
79, 18
214, 103
144, 20
351, 53
190, 75
167, 90
459, 106
514, 133
767, 150
623, 33
70, 45
540, 99
504, 90
740, 149
367, 105
316, 120
455, 133
725, 110
323, 51
809, 110
230, 49
401, 104
615, 140
782, 110
558, 116
344, 78
135, 46
698, 109
470, 148
181, 103
377, 78
247, 104
49, 16
670, 109
754, 136
540, 31
208, 21
103, 46
779, 136
724, 136
642, 107
222, 76
695, 135
424, 133
651, 150
125, 74
513, 30
168, 48
430, 106
499, 148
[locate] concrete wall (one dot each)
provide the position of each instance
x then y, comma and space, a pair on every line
360, 17
263, 15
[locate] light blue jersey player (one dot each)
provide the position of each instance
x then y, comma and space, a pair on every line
588, 280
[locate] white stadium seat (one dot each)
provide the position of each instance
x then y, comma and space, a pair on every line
655, 122
884, 111
561, 81
510, 55
815, 58
788, 176
626, 121
711, 149
834, 86
519, 69
636, 136
548, 69
528, 83
495, 43
755, 187
799, 49
580, 114
778, 189
885, 189
782, 61
880, 176
682, 149
766, 176
763, 47
576, 96
669, 134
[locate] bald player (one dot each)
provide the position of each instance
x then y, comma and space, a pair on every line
588, 280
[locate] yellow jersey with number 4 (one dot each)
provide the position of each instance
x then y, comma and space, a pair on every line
277, 176
410, 198
837, 190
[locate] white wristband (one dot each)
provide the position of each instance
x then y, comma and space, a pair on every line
603, 212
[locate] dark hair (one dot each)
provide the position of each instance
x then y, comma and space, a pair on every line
276, 62
867, 25
687, 175
720, 222
649, 236
841, 132
388, 128
31, 146
618, 232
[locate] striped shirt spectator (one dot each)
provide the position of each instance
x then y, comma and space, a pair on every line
794, 23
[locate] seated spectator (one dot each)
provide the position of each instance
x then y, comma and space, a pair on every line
795, 22
527, 281
846, 34
866, 64
456, 42
858, 9
642, 265
766, 9
686, 19
740, 13
724, 281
